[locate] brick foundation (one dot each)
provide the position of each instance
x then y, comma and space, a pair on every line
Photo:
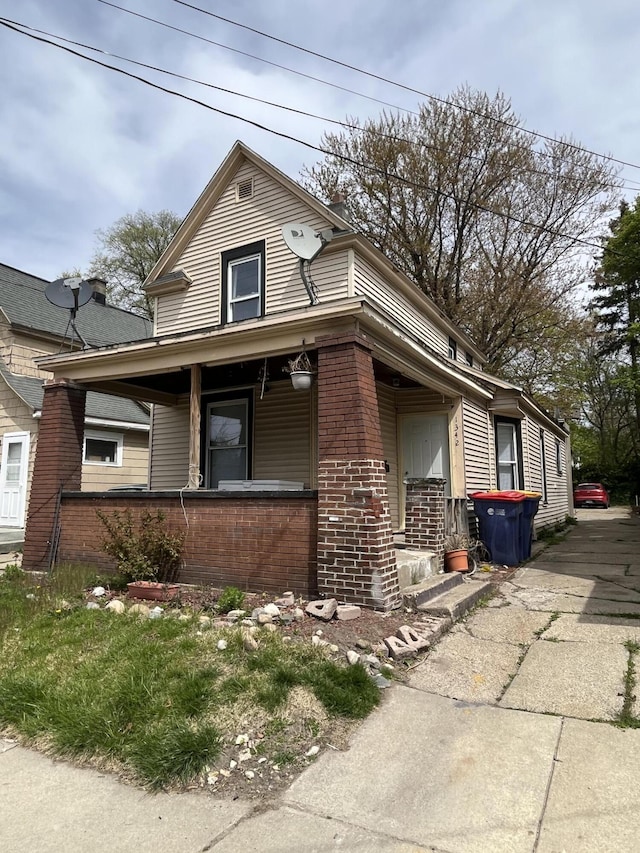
58, 465
425, 516
257, 543
356, 557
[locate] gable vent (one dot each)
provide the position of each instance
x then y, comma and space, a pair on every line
244, 189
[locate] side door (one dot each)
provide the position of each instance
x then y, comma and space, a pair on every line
14, 469
425, 449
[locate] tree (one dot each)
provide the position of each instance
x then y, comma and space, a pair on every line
128, 251
480, 216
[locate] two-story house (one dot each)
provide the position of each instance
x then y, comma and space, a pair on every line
279, 488
116, 434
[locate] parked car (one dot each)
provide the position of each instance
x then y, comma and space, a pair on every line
591, 494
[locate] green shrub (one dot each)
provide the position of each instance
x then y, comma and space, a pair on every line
13, 572
143, 551
231, 598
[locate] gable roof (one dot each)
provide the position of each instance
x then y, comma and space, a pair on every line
102, 406
23, 301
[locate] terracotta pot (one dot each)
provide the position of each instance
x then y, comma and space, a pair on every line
152, 590
456, 561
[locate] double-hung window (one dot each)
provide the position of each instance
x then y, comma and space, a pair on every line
243, 283
508, 453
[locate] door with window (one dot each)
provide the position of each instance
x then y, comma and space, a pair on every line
14, 469
226, 441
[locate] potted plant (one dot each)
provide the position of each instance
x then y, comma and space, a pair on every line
456, 553
301, 372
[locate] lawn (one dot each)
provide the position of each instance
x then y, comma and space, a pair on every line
159, 700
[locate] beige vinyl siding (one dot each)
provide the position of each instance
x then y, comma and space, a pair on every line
19, 351
232, 224
134, 468
413, 401
170, 446
389, 426
282, 435
479, 449
557, 505
370, 283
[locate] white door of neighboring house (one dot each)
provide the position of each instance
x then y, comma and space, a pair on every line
425, 449
14, 468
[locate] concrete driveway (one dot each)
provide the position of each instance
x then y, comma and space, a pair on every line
504, 740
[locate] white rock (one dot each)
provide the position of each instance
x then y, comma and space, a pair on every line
287, 639
298, 614
30, 596
242, 739
225, 773
204, 622
264, 619
314, 750
233, 764
353, 657
333, 648
271, 609
249, 642
156, 613
248, 623
98, 591
116, 606
262, 760
319, 632
249, 774
212, 778
222, 645
184, 617
237, 614
245, 755
93, 605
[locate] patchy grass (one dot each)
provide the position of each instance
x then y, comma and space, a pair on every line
156, 699
625, 718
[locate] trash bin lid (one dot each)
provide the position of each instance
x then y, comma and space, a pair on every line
512, 495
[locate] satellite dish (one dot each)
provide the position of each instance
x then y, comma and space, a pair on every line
302, 240
69, 293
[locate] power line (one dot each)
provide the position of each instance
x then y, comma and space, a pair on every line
276, 105
406, 181
398, 85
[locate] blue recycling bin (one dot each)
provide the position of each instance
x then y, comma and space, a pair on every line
499, 517
530, 506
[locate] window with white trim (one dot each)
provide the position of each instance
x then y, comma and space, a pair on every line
103, 448
508, 453
227, 434
243, 278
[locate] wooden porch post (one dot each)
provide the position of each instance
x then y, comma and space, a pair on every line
194, 426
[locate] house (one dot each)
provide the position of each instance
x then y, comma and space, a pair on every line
279, 488
116, 433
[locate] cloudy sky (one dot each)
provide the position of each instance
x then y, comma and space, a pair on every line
82, 145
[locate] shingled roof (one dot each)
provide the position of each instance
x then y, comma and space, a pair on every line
100, 406
23, 301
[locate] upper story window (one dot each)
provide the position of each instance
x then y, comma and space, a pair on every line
468, 358
453, 349
243, 283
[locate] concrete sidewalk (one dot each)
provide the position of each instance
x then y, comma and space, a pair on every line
492, 746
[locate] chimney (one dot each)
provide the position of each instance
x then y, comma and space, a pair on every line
99, 286
339, 206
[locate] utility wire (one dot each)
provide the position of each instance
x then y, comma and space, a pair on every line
395, 83
574, 240
345, 124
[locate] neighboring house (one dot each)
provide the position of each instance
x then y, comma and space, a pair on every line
400, 415
115, 448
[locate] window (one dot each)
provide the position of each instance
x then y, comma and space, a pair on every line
453, 349
103, 448
508, 453
227, 439
468, 358
543, 467
558, 456
243, 283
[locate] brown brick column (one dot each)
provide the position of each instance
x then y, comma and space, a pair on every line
424, 515
356, 557
58, 464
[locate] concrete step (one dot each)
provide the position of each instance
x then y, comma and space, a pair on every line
414, 566
430, 588
12, 558
457, 601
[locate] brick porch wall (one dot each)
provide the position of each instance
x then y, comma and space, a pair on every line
356, 557
425, 515
263, 542
58, 465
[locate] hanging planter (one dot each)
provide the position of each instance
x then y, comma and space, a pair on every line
301, 372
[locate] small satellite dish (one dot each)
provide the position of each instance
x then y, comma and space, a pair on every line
69, 293
302, 240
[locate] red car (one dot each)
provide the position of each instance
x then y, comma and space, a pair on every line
591, 494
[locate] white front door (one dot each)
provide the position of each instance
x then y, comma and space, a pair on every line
14, 469
425, 447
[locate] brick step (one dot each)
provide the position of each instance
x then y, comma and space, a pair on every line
457, 601
430, 588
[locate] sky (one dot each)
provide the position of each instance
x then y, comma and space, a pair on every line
81, 146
